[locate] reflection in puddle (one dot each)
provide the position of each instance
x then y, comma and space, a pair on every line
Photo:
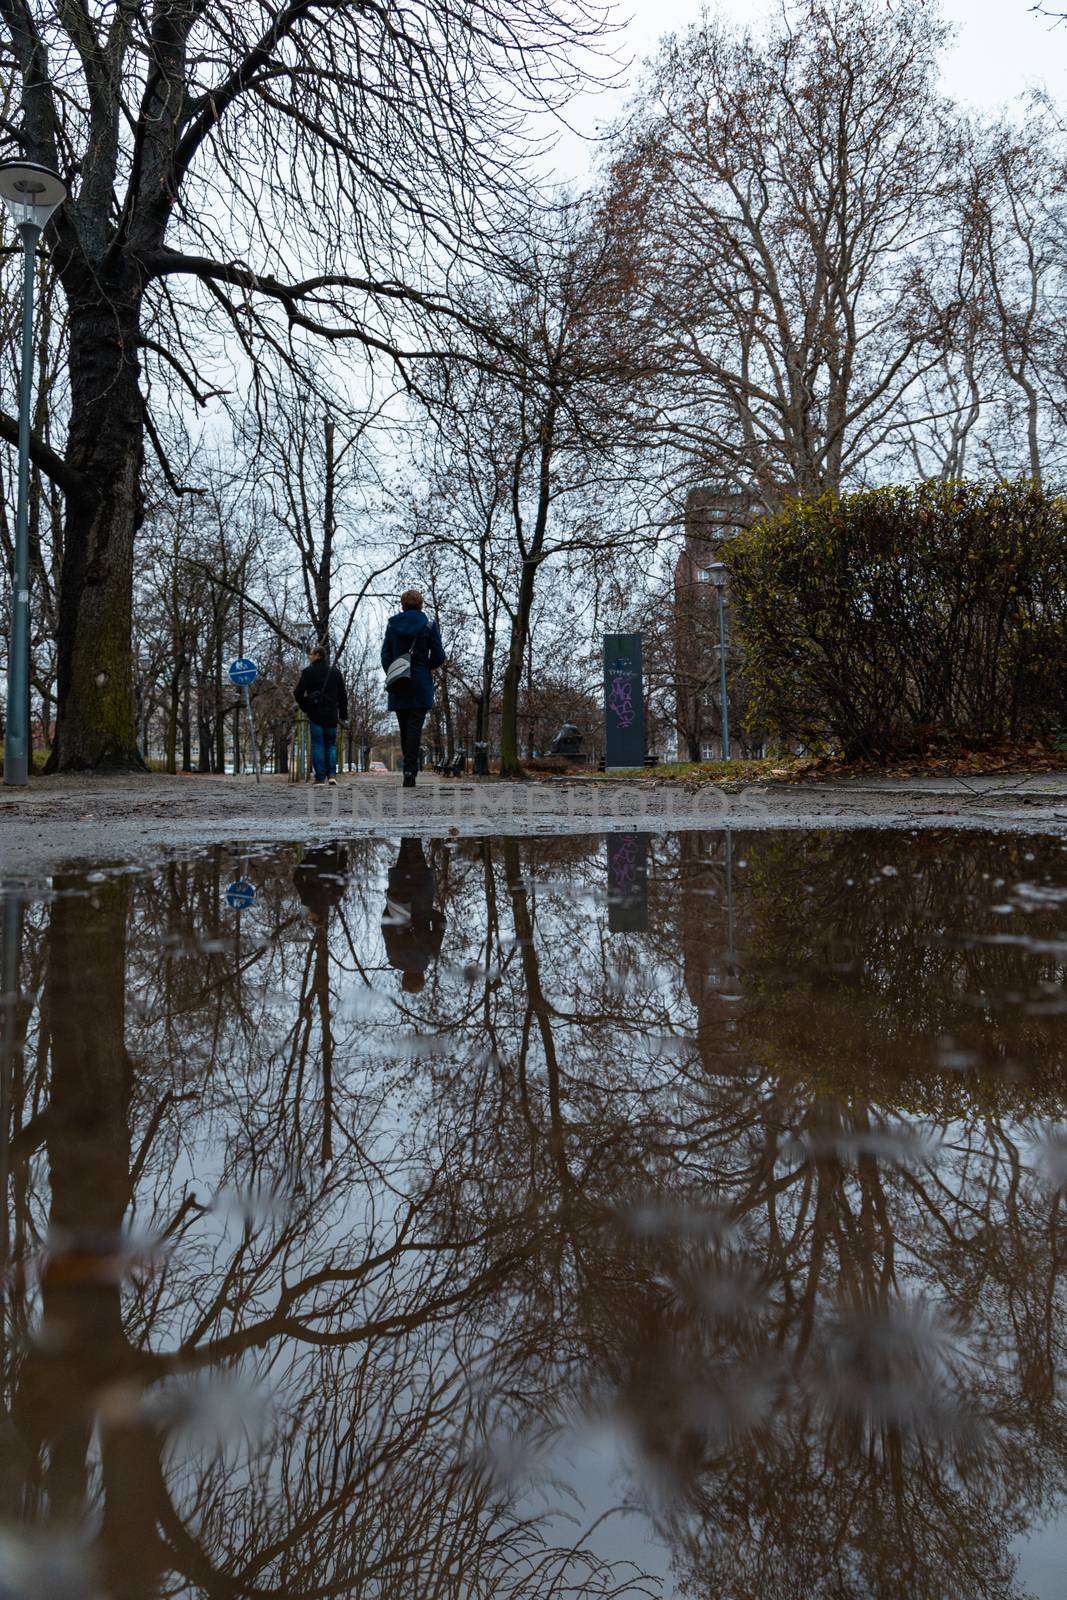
672, 1216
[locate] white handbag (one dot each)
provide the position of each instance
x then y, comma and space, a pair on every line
399, 669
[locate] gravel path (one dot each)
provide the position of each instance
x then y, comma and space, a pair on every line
55, 821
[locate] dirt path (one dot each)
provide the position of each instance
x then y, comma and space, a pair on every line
58, 820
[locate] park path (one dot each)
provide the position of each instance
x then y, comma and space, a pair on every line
54, 821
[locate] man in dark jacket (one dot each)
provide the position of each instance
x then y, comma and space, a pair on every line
412, 632
412, 926
321, 695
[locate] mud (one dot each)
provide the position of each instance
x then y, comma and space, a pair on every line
58, 821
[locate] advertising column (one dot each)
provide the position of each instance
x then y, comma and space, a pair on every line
624, 706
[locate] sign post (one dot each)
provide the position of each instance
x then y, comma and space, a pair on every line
624, 702
242, 673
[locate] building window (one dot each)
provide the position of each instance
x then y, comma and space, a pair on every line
708, 752
704, 574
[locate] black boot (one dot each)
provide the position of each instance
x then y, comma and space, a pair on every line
409, 780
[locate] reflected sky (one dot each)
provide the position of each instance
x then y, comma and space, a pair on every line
673, 1216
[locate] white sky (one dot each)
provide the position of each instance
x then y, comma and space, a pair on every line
1001, 50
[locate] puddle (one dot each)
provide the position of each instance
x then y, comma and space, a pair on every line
633, 1216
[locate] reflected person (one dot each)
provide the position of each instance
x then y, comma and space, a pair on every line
320, 881
412, 926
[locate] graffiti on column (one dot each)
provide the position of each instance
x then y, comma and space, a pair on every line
627, 883
624, 716
621, 701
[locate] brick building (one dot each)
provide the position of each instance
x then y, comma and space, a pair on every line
710, 517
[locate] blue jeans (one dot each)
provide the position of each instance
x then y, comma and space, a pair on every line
323, 752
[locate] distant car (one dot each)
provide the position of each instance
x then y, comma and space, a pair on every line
377, 766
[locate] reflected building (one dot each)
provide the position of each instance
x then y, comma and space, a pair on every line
709, 935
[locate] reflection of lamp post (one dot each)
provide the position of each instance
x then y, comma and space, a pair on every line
12, 938
728, 864
718, 578
31, 194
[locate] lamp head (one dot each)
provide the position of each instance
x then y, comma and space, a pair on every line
718, 574
30, 192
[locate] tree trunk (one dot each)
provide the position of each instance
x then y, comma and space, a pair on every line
520, 621
95, 726
1033, 413
203, 725
446, 712
485, 699
324, 573
510, 766
220, 719
187, 727
171, 757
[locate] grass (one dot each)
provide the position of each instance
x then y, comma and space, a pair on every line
40, 761
937, 760
707, 771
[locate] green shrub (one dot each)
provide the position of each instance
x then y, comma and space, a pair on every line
878, 621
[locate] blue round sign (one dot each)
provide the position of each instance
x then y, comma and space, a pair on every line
243, 671
240, 894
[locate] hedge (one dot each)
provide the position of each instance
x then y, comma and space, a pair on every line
876, 621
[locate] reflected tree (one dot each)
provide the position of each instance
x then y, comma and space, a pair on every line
332, 1273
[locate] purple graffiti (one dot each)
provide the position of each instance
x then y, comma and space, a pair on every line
621, 701
624, 865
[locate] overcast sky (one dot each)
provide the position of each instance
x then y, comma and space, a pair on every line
1001, 50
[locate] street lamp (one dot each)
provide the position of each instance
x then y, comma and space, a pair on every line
718, 578
31, 193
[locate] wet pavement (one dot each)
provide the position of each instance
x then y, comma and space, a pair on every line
668, 1215
74, 817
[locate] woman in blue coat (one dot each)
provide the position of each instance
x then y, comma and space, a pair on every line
412, 632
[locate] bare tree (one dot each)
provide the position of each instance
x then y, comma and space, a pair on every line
307, 463
778, 205
1018, 232
270, 177
533, 452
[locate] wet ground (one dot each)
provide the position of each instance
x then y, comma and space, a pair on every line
670, 1215
56, 820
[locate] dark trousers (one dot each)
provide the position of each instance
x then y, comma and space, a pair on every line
411, 736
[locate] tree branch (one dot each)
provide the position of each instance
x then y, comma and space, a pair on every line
164, 263
164, 354
67, 478
161, 457
208, 110
242, 594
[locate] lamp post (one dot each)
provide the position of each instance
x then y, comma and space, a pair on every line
718, 578
31, 193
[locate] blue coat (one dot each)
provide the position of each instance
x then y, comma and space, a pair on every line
414, 693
